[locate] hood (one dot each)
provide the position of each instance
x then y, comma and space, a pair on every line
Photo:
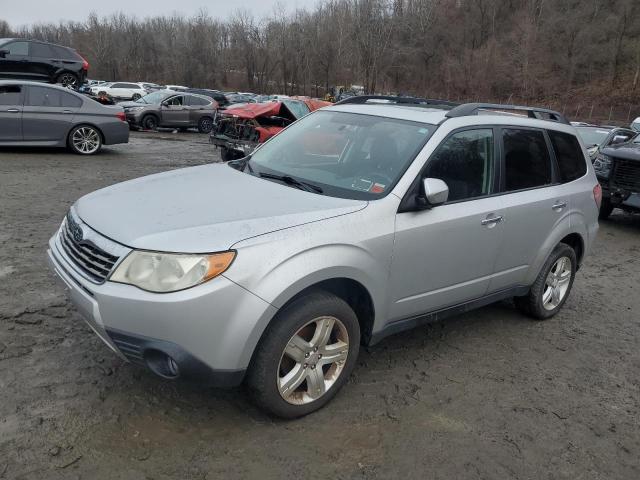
202, 209
253, 110
627, 151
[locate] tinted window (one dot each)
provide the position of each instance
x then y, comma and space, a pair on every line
64, 53
465, 163
10, 95
569, 155
50, 97
129, 85
17, 48
526, 159
197, 101
117, 85
299, 109
40, 50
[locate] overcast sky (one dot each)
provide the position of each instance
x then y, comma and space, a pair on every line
22, 12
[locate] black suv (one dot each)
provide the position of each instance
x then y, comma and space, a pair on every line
40, 61
618, 170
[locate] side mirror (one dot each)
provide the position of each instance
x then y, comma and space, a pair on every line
619, 139
4, 53
434, 192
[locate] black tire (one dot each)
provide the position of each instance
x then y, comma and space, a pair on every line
101, 93
92, 143
532, 304
205, 125
136, 96
227, 154
264, 371
149, 122
605, 209
68, 79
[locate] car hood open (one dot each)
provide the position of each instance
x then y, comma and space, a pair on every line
202, 209
627, 151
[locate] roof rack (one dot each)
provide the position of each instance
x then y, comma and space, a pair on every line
390, 99
467, 109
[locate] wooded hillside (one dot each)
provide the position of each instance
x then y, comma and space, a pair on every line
526, 50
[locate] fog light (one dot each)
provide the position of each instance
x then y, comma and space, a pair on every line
162, 364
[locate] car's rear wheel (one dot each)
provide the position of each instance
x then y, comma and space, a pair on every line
305, 356
149, 122
205, 125
85, 140
136, 96
68, 80
605, 209
551, 289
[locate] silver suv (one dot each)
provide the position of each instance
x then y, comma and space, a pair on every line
354, 223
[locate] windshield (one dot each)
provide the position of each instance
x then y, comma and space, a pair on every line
347, 155
592, 135
152, 98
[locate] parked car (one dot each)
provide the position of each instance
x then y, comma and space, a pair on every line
239, 129
40, 61
176, 88
635, 125
617, 167
596, 137
166, 108
217, 95
36, 114
356, 222
120, 90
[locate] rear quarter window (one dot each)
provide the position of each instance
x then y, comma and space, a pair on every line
571, 161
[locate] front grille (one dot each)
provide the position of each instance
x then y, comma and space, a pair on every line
94, 262
626, 175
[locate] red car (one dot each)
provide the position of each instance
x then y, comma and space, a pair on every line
240, 129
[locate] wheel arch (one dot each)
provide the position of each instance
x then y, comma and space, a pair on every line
85, 124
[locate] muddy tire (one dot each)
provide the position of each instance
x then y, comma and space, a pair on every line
553, 285
605, 209
149, 122
305, 356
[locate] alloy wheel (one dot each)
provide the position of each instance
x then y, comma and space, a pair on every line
86, 140
313, 360
68, 80
206, 125
557, 283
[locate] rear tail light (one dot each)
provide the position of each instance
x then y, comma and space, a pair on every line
597, 194
85, 64
121, 116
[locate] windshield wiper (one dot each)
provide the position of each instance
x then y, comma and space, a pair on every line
309, 187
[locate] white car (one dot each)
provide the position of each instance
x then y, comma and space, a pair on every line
176, 88
120, 90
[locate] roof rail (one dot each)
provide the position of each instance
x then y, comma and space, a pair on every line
467, 109
390, 99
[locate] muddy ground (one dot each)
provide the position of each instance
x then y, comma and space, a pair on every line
487, 395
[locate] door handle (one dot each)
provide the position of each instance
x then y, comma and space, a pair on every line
67, 111
559, 206
13, 110
492, 221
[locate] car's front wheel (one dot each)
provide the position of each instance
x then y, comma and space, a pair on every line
551, 289
85, 140
149, 122
136, 96
306, 355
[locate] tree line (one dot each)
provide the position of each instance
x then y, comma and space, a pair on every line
525, 50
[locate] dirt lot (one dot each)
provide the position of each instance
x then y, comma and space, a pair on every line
488, 395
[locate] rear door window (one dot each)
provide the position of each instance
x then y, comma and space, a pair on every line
117, 85
196, 101
41, 50
527, 162
11, 95
51, 97
571, 162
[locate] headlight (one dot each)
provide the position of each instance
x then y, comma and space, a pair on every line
602, 165
134, 109
170, 272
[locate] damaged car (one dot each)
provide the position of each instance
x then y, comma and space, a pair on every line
618, 170
240, 129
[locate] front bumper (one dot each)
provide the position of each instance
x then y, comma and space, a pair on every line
620, 197
209, 330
